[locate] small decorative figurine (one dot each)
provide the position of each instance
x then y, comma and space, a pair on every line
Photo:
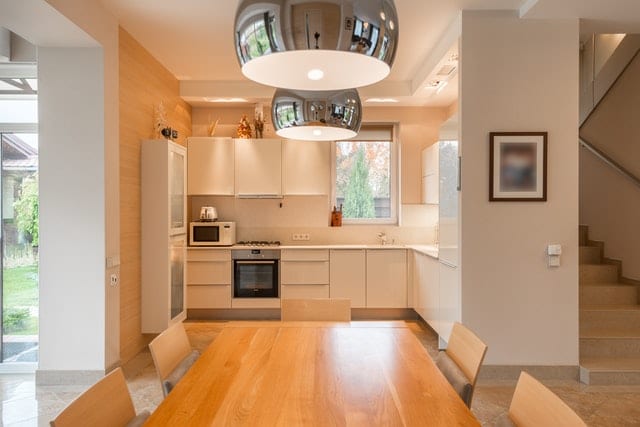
244, 128
258, 124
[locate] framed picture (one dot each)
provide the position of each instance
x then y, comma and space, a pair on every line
518, 166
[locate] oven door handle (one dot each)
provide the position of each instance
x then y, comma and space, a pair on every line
255, 262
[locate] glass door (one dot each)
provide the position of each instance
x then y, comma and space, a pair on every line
178, 252
19, 237
177, 189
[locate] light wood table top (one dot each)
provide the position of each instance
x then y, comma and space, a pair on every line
313, 374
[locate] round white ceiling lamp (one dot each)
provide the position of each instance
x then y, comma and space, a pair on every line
316, 44
316, 115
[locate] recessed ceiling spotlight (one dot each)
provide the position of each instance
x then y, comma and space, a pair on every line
316, 115
277, 42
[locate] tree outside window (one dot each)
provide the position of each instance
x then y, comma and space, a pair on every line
363, 179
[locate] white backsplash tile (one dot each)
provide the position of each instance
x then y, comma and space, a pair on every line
278, 219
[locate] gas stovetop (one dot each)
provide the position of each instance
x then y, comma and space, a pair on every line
260, 243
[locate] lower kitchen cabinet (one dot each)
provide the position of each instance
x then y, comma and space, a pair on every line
209, 296
386, 278
348, 276
208, 278
427, 288
304, 273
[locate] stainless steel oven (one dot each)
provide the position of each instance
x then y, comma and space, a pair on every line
256, 273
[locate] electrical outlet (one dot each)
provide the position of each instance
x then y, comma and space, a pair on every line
114, 280
300, 236
305, 236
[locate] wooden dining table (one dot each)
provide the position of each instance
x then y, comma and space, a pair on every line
313, 374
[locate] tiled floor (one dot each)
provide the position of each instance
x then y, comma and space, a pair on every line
24, 405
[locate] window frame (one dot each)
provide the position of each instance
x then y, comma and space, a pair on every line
394, 179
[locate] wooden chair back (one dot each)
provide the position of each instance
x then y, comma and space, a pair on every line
534, 404
314, 309
169, 348
467, 350
105, 404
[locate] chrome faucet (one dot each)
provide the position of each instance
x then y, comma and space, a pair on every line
383, 238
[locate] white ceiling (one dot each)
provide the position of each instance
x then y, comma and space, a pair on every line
194, 40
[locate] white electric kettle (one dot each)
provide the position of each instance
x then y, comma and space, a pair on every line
208, 213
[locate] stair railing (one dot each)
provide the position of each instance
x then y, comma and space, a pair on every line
608, 160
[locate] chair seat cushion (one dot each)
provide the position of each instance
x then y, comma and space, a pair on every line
172, 379
455, 376
139, 419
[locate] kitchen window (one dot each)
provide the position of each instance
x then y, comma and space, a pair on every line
365, 176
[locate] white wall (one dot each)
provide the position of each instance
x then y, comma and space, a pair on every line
72, 209
93, 19
74, 24
520, 75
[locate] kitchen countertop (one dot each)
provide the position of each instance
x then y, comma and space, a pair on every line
430, 250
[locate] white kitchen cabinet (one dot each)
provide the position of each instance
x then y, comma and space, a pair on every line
427, 289
208, 278
386, 278
258, 167
306, 167
430, 177
348, 276
211, 166
304, 273
163, 238
449, 299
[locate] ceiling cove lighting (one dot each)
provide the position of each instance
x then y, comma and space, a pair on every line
316, 115
316, 44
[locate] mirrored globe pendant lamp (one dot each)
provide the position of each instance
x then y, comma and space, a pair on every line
316, 44
316, 115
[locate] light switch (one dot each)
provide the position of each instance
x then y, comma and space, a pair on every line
553, 255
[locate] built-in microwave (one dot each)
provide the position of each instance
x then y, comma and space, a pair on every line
212, 233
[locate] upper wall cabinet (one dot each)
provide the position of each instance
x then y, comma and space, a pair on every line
258, 167
210, 167
306, 167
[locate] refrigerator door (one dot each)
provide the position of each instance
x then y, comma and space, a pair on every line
449, 202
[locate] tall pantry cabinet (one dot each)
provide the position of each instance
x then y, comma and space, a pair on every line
164, 234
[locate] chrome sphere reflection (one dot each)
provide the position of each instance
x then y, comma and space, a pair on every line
316, 115
316, 44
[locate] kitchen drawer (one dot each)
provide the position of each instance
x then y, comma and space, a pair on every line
304, 255
305, 291
208, 255
209, 272
209, 296
304, 273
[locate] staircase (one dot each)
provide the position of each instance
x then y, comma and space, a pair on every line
609, 319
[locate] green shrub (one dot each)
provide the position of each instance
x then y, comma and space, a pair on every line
14, 318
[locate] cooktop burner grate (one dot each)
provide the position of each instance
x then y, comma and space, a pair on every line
259, 243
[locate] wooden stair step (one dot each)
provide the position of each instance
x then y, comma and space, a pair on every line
610, 371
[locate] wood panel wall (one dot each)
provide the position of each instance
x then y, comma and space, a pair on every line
144, 83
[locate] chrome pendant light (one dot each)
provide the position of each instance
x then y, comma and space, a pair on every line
316, 115
316, 44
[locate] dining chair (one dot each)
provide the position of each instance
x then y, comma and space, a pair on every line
533, 404
172, 356
460, 362
105, 404
314, 309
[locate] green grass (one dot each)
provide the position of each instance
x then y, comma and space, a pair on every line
21, 290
